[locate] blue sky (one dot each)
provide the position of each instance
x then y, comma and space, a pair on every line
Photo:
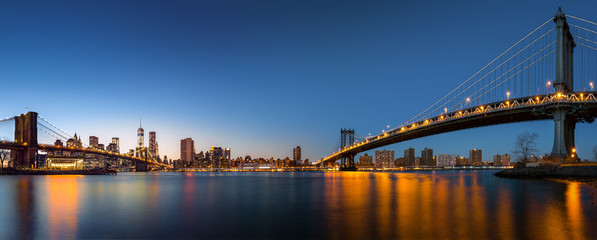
261, 77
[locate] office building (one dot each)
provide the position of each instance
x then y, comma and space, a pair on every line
366, 161
187, 150
443, 160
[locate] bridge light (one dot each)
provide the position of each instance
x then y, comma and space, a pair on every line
446, 110
468, 99
574, 150
548, 83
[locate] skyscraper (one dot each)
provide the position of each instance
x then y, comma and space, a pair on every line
93, 142
445, 160
296, 152
187, 150
140, 136
427, 157
475, 157
153, 146
116, 142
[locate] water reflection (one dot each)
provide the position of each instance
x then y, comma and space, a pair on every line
337, 205
62, 206
460, 205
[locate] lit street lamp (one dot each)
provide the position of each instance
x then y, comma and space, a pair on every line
591, 84
508, 95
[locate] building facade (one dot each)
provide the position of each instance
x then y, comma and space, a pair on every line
427, 157
409, 157
384, 159
475, 157
187, 150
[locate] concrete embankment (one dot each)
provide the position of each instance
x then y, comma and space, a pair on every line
573, 172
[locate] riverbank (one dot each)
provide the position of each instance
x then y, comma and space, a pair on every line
11, 171
571, 172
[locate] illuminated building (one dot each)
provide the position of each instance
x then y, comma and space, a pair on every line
74, 142
187, 150
226, 153
475, 157
409, 157
93, 142
427, 157
140, 136
497, 160
506, 160
111, 148
153, 146
384, 158
461, 161
366, 161
216, 155
116, 142
64, 163
445, 160
296, 152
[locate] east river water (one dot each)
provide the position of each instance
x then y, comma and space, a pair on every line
295, 205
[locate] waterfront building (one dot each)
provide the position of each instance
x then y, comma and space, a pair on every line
384, 159
116, 142
74, 142
216, 156
427, 157
366, 160
59, 143
506, 160
497, 160
399, 162
475, 157
296, 152
187, 150
443, 160
461, 161
409, 157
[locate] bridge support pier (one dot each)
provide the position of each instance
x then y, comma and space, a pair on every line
347, 163
563, 142
26, 134
141, 166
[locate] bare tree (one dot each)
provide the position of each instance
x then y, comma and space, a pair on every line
525, 146
4, 155
595, 152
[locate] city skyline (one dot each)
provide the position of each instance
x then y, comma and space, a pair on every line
239, 79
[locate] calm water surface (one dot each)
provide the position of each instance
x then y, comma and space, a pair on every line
341, 205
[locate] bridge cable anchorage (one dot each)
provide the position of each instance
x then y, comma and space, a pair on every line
49, 129
43, 119
506, 61
483, 68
